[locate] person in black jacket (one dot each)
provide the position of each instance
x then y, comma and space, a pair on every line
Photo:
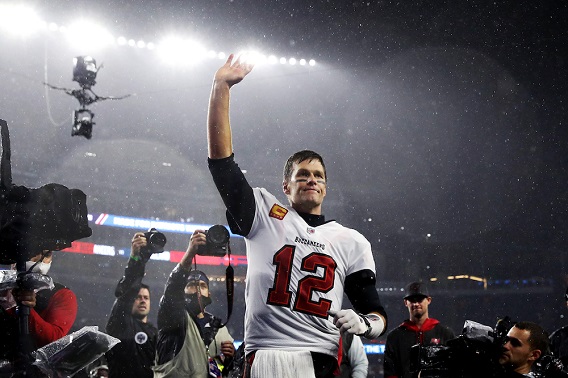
418, 329
524, 345
128, 321
191, 342
559, 341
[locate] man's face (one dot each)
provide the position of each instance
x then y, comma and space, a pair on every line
517, 352
306, 188
192, 287
417, 306
141, 306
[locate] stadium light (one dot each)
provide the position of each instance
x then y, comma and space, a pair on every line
23, 21
175, 50
88, 35
19, 20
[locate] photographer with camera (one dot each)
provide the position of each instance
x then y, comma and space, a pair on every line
52, 312
128, 321
191, 342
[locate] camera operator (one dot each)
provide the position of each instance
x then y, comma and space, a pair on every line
52, 312
559, 341
524, 345
128, 321
191, 342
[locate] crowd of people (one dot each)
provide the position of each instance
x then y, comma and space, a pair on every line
300, 265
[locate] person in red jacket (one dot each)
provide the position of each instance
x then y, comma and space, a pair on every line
52, 312
418, 329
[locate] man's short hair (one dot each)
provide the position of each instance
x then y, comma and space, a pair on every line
144, 286
538, 338
299, 157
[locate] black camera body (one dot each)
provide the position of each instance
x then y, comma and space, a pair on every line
217, 242
155, 241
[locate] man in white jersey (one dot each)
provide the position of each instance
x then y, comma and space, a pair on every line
299, 264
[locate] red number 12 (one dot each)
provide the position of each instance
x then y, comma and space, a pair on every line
280, 295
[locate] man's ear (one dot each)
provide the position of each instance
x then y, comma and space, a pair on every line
285, 188
535, 354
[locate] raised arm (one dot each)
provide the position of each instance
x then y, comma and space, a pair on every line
171, 313
218, 125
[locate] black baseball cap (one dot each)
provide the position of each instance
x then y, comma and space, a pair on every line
416, 289
195, 276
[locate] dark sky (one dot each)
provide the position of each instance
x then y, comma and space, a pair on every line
445, 119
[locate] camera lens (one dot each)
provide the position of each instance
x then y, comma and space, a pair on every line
157, 240
218, 235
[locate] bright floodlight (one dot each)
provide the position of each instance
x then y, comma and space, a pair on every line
272, 59
88, 35
19, 19
292, 61
180, 51
312, 62
252, 57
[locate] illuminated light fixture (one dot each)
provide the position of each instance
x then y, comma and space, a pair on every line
19, 20
88, 35
179, 51
85, 71
252, 57
433, 279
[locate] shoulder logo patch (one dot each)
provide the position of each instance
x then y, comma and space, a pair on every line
278, 212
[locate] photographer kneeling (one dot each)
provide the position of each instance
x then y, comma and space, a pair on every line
191, 342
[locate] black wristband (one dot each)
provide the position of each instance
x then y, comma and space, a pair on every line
367, 323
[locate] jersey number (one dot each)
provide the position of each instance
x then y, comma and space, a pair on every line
280, 295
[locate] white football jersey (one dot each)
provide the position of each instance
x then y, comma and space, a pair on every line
296, 274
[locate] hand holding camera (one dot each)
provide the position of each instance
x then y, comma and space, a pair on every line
147, 243
216, 242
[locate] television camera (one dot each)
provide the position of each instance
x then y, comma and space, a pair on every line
476, 353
